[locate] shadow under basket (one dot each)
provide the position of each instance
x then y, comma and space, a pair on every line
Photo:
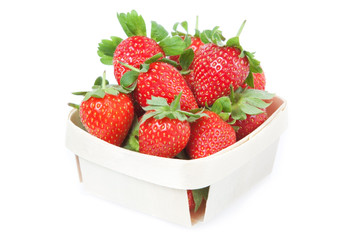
158, 186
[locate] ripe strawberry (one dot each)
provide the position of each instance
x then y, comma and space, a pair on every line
209, 135
159, 79
248, 125
133, 51
244, 109
137, 47
163, 137
218, 66
259, 81
164, 129
216, 69
106, 112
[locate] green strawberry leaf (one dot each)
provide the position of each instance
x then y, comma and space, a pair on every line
248, 102
159, 108
106, 60
175, 104
129, 79
176, 32
249, 109
111, 91
256, 93
157, 101
172, 45
250, 79
76, 106
158, 32
83, 93
98, 81
186, 58
168, 61
222, 107
108, 47
132, 142
199, 195
154, 58
213, 36
132, 23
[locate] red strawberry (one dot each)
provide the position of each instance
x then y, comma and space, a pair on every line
164, 130
163, 137
244, 109
216, 69
137, 47
246, 126
159, 79
106, 112
259, 81
190, 80
209, 135
219, 66
134, 51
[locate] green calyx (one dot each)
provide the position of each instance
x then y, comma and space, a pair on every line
159, 108
241, 103
213, 36
100, 88
107, 48
171, 45
132, 23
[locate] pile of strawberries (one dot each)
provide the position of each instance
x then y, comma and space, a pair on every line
177, 95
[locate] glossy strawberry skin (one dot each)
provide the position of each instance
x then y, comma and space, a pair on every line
259, 81
163, 137
163, 80
216, 69
108, 118
133, 51
248, 125
209, 135
190, 80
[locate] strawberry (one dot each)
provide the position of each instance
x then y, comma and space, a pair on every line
259, 81
134, 51
246, 126
164, 129
158, 79
209, 135
244, 109
137, 47
106, 112
218, 66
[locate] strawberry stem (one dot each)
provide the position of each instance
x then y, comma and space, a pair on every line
129, 66
241, 28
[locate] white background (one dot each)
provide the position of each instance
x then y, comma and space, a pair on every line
310, 53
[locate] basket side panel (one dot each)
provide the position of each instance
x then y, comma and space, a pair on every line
222, 193
162, 202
